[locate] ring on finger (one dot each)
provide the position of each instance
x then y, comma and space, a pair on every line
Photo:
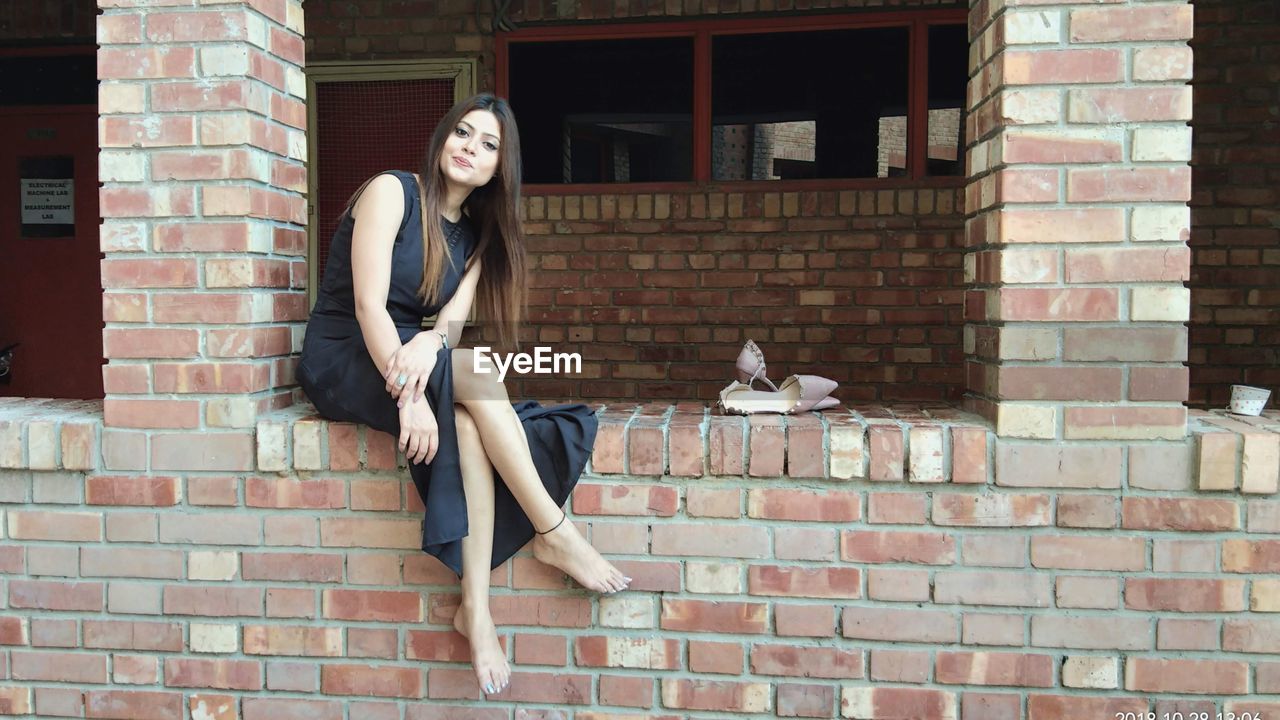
402, 379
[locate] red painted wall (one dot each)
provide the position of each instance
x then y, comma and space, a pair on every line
51, 288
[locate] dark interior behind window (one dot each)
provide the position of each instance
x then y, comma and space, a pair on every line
829, 104
599, 111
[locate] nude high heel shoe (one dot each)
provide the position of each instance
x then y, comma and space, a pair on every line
797, 394
789, 398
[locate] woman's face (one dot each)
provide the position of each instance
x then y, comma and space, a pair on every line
470, 154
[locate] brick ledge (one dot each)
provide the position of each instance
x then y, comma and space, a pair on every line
893, 443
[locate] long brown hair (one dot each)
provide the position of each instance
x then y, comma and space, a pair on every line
494, 211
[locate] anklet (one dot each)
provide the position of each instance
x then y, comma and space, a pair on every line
544, 532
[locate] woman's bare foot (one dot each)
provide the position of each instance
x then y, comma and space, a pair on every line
487, 657
565, 548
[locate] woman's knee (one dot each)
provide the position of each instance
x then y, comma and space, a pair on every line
468, 384
464, 423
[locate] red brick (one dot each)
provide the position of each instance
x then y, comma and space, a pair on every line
766, 454
804, 620
1048, 149
1058, 465
447, 646
886, 446
1182, 514
721, 617
723, 658
726, 445
132, 705
132, 635
619, 652
1128, 184
370, 680
1160, 22
1176, 634
991, 588
805, 700
298, 640
1087, 511
929, 626
1059, 707
990, 706
897, 585
291, 493
893, 703
373, 605
900, 666
1091, 633
212, 601
1127, 265
51, 595
1184, 594
44, 525
640, 500
1252, 636
1251, 556
740, 541
15, 701
130, 562
261, 708
895, 547
79, 668
994, 668
992, 510
707, 502
220, 674
896, 508
1210, 677
291, 567
829, 582
805, 457
796, 661
563, 689
716, 695
124, 490
615, 690
1089, 553
969, 455
804, 505
1040, 67
989, 629
644, 450
1058, 304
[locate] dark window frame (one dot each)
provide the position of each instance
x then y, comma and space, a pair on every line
917, 23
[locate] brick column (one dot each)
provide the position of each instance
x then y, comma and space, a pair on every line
202, 132
1078, 152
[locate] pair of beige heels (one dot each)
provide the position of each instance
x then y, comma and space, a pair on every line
796, 394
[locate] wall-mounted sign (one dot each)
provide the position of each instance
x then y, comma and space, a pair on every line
46, 197
47, 202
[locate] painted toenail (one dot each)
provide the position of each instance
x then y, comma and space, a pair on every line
488, 689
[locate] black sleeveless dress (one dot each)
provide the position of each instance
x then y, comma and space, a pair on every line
344, 384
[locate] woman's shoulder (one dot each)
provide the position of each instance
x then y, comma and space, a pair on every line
386, 188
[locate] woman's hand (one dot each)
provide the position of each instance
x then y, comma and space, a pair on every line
414, 361
419, 433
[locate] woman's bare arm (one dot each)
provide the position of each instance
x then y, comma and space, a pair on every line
453, 315
378, 213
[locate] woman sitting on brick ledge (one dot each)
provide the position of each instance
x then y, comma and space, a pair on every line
365, 359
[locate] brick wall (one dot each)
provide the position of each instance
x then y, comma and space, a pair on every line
658, 291
1235, 208
874, 565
